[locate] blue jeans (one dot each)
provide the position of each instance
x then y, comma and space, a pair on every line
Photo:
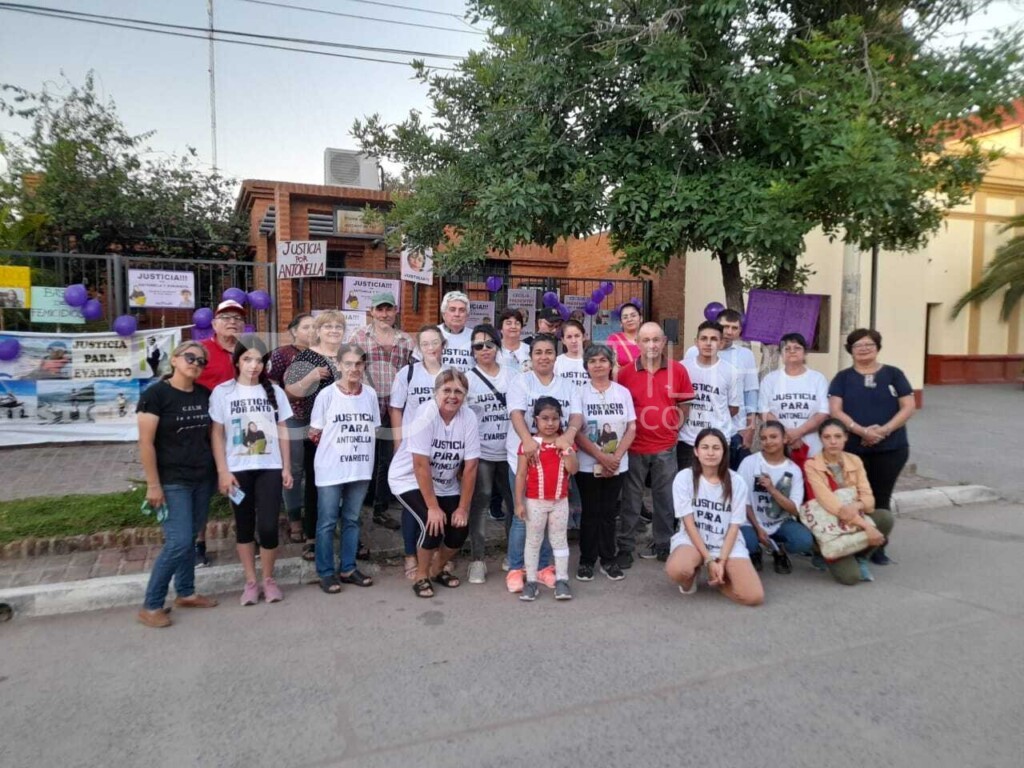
517, 540
792, 534
187, 509
348, 499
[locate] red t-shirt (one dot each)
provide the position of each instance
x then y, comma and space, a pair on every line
219, 367
655, 397
548, 478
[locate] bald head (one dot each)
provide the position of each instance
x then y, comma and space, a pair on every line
651, 340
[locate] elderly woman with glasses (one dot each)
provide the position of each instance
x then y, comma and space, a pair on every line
177, 458
311, 372
874, 402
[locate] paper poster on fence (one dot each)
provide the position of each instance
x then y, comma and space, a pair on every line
357, 292
68, 387
418, 265
15, 285
301, 258
161, 289
525, 300
48, 307
575, 304
480, 312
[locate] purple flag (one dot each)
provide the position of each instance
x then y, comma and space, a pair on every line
772, 314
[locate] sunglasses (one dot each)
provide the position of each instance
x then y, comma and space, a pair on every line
192, 359
481, 345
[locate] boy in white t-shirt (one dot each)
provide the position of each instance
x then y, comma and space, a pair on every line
717, 388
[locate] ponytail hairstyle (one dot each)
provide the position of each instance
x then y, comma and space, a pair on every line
774, 424
723, 467
249, 341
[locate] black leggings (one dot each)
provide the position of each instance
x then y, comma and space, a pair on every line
883, 470
600, 498
260, 508
451, 537
309, 515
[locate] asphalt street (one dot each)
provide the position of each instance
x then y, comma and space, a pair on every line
920, 668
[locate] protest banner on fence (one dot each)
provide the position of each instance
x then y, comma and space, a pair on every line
357, 292
161, 288
418, 265
525, 300
72, 387
48, 307
301, 258
480, 312
772, 314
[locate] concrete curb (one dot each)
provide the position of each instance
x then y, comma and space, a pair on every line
943, 496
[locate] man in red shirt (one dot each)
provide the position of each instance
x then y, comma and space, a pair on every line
228, 324
661, 393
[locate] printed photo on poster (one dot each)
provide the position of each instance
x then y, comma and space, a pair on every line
480, 312
525, 300
15, 287
575, 305
418, 265
161, 289
357, 292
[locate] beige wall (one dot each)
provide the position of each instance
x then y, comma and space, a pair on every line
912, 286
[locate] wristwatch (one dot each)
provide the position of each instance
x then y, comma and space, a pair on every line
709, 560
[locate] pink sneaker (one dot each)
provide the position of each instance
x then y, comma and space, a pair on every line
251, 593
271, 592
514, 581
546, 576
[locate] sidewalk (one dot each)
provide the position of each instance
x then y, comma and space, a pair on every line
59, 470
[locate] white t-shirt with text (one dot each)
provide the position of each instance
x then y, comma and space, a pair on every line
711, 513
741, 359
524, 392
410, 395
761, 501
250, 429
572, 370
458, 352
446, 445
491, 413
795, 399
716, 388
349, 426
606, 415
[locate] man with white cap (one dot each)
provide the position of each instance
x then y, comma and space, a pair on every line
228, 324
388, 350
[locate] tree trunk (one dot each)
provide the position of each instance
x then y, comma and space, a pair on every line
732, 281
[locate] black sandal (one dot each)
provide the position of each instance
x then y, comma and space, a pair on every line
309, 553
296, 537
446, 579
423, 588
363, 553
357, 578
330, 585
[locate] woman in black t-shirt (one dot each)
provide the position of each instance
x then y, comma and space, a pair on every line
874, 403
174, 449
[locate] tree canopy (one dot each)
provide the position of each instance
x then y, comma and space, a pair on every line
1005, 271
93, 186
735, 126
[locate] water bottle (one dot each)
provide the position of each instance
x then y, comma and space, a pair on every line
784, 486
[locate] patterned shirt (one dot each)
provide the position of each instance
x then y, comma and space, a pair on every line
382, 361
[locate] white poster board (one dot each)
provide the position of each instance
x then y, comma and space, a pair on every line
480, 312
161, 289
525, 300
418, 265
357, 292
301, 258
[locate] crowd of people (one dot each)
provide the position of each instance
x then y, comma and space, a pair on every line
547, 432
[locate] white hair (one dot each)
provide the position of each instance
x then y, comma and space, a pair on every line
453, 296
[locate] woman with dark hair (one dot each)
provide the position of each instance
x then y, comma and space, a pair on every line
174, 450
312, 371
624, 342
488, 388
344, 426
252, 464
776, 492
515, 351
837, 480
569, 365
434, 476
301, 331
874, 402
711, 501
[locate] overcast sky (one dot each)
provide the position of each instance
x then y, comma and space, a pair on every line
276, 111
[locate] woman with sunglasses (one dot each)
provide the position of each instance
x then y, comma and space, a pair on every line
488, 387
311, 372
412, 387
874, 402
175, 453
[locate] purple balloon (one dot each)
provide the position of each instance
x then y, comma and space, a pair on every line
259, 299
616, 312
636, 302
92, 310
10, 348
550, 300
75, 295
125, 325
235, 294
203, 318
202, 334
249, 328
608, 288
591, 308
712, 310
564, 312
494, 283
597, 295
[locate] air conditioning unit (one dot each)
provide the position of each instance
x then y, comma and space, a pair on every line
349, 168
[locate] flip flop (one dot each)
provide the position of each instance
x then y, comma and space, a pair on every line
446, 579
423, 588
330, 585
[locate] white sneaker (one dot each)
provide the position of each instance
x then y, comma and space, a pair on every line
504, 564
477, 572
691, 590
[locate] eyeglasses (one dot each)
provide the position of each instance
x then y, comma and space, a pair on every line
230, 317
332, 327
867, 345
482, 345
793, 348
192, 359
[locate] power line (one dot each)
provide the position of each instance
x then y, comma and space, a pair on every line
372, 18
205, 37
206, 31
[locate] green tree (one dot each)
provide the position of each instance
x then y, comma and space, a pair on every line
96, 187
734, 126
1004, 272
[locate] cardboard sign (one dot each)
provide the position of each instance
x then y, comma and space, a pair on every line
301, 258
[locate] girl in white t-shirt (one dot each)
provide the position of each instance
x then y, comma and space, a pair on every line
569, 365
251, 449
711, 501
343, 424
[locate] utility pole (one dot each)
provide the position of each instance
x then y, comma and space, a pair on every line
213, 88
849, 311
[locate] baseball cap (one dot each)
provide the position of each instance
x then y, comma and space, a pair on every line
383, 298
229, 306
550, 315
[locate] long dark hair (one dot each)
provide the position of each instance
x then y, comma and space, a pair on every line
773, 424
723, 466
249, 341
